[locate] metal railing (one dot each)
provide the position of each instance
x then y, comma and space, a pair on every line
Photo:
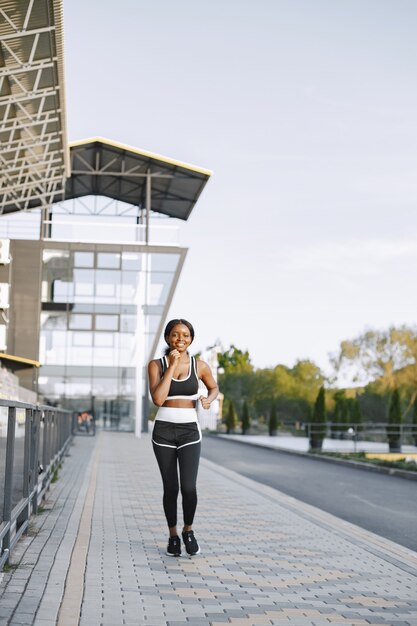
111, 232
33, 440
381, 432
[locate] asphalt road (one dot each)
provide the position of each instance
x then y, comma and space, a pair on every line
383, 504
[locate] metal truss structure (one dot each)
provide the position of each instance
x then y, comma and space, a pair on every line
135, 178
34, 154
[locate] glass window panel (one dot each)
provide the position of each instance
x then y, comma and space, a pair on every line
58, 338
131, 261
105, 357
106, 290
51, 386
76, 387
108, 259
83, 282
82, 339
107, 286
127, 323
107, 322
84, 289
53, 350
127, 293
130, 278
159, 288
105, 387
104, 339
53, 320
107, 276
164, 262
55, 257
61, 291
126, 341
83, 259
79, 355
156, 293
153, 323
80, 322
149, 343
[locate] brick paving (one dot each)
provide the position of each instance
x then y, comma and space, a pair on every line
266, 559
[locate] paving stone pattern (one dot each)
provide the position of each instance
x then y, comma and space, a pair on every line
262, 562
36, 586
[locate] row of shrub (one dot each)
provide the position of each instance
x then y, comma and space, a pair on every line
346, 418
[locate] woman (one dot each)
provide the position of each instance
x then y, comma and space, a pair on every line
176, 438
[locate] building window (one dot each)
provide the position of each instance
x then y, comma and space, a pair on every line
107, 322
131, 261
127, 323
104, 340
106, 290
80, 322
108, 260
82, 339
83, 259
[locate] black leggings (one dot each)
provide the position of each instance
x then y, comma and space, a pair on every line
178, 445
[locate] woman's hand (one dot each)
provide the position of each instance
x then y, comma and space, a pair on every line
205, 402
173, 357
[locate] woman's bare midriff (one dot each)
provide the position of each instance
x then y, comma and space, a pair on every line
180, 404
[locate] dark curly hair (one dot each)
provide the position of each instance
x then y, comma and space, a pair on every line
171, 325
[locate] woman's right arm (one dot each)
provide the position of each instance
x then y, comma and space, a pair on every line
159, 385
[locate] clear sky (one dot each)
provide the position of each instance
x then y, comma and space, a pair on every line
306, 111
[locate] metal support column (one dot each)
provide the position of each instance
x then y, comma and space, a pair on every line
148, 202
145, 403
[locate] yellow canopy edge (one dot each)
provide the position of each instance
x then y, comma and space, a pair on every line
19, 359
145, 153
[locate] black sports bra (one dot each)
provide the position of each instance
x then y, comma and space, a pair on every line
186, 388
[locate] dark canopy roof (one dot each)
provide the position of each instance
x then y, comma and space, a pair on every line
106, 168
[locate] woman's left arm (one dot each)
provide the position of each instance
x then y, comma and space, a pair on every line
204, 373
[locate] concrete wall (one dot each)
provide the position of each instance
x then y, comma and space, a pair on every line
25, 305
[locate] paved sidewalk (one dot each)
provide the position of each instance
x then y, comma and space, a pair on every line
98, 556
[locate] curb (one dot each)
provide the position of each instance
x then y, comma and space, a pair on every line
392, 471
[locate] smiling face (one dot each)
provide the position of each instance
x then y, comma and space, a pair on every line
179, 338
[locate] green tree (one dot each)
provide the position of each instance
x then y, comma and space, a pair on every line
246, 420
235, 375
308, 378
356, 416
294, 388
231, 418
344, 417
273, 419
339, 397
318, 422
377, 354
394, 422
263, 389
235, 360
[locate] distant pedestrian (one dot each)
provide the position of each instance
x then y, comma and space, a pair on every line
173, 383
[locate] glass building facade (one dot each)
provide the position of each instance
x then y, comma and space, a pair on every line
103, 308
101, 311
